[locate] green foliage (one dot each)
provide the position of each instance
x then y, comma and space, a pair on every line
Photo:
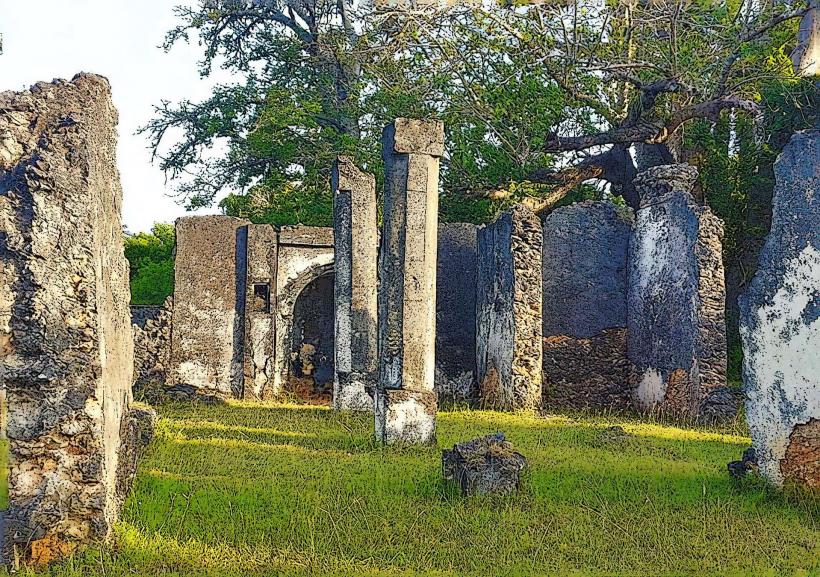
151, 256
269, 489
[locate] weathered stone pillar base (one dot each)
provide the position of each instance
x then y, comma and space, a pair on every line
350, 392
404, 416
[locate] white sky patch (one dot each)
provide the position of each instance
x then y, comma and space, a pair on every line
47, 39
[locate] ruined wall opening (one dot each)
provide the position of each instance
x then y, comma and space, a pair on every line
310, 377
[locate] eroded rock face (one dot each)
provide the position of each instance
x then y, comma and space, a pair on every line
780, 323
508, 305
675, 304
584, 313
152, 344
66, 345
484, 465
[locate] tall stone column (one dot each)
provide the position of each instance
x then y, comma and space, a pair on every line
780, 324
405, 401
806, 55
676, 334
508, 311
356, 248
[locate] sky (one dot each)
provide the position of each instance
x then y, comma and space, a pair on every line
47, 39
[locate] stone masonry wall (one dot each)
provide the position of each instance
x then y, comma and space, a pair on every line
152, 344
209, 299
676, 334
508, 318
260, 304
66, 348
584, 311
457, 267
780, 324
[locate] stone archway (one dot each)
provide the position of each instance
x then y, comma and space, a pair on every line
310, 374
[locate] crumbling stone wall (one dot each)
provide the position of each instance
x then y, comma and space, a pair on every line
455, 312
152, 344
404, 400
210, 270
675, 304
305, 254
260, 304
509, 304
66, 348
780, 324
356, 247
584, 306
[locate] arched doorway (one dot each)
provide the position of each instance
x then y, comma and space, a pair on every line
312, 339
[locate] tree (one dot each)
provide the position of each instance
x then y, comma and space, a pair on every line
151, 257
537, 99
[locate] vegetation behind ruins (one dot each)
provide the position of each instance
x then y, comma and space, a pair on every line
273, 489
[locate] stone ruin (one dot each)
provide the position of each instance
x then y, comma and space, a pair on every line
780, 324
65, 333
675, 303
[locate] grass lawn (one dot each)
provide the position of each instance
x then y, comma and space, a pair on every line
285, 489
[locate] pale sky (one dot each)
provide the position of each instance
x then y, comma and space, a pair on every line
47, 39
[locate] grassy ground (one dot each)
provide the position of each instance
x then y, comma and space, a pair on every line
278, 489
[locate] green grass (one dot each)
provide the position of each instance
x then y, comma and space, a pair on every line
283, 489
4, 474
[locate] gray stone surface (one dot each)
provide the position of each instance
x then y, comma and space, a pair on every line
675, 305
152, 345
508, 311
356, 250
66, 347
407, 272
260, 302
780, 324
484, 466
210, 267
456, 273
584, 306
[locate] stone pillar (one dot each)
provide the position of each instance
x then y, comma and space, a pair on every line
584, 279
66, 346
356, 247
260, 304
675, 303
404, 400
210, 276
508, 311
780, 324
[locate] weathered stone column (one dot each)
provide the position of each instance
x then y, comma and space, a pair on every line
508, 311
356, 247
780, 324
404, 400
675, 304
806, 55
584, 271
66, 346
260, 303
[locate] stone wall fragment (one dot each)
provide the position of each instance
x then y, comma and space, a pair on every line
508, 311
356, 247
780, 324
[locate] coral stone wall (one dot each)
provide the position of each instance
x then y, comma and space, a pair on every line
584, 311
780, 324
66, 347
508, 317
152, 343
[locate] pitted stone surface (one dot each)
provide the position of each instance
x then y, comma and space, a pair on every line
407, 274
210, 270
484, 466
676, 335
508, 305
66, 346
584, 312
355, 285
780, 322
152, 345
455, 312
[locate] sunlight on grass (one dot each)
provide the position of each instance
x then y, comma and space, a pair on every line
271, 489
4, 474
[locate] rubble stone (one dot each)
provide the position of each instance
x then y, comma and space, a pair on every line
484, 466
